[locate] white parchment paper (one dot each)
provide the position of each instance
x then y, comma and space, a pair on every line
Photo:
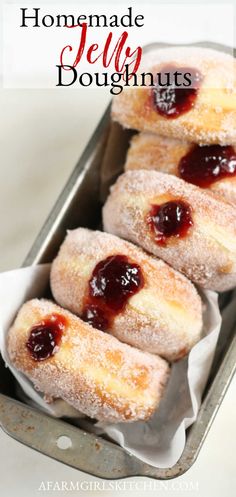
160, 441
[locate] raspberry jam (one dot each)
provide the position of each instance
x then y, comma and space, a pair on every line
171, 219
45, 337
95, 316
203, 166
172, 100
114, 280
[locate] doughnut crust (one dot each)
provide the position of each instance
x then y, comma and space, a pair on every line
91, 370
155, 152
150, 151
163, 317
207, 254
212, 118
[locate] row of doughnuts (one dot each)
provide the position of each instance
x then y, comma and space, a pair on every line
176, 199
119, 316
194, 142
122, 312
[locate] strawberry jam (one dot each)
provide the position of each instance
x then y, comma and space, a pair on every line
172, 99
114, 280
203, 166
171, 219
45, 337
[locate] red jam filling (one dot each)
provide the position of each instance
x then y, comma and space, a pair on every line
96, 316
114, 280
171, 219
170, 96
203, 166
45, 337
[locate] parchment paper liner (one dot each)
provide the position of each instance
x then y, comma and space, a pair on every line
161, 440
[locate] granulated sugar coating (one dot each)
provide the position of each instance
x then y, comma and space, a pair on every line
91, 370
163, 317
155, 152
212, 118
207, 255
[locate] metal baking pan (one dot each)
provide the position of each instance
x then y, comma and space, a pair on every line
80, 205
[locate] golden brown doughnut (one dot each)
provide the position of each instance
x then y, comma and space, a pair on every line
208, 115
188, 227
91, 370
181, 158
92, 271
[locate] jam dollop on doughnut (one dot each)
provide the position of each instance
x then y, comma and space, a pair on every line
45, 337
96, 316
171, 100
205, 165
171, 219
114, 280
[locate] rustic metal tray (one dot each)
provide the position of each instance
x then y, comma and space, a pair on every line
80, 205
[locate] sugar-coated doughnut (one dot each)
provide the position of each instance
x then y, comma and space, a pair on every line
91, 370
203, 113
188, 227
212, 166
117, 287
155, 152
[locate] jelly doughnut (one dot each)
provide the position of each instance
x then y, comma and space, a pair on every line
91, 370
210, 166
118, 288
204, 112
188, 227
